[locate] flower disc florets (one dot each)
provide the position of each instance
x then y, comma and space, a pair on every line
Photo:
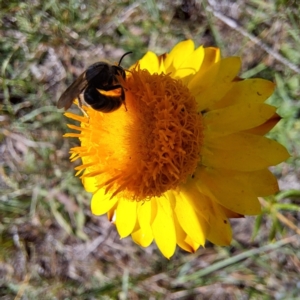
164, 135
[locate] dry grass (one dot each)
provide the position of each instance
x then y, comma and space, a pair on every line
51, 246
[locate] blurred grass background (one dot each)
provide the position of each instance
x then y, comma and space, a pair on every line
51, 246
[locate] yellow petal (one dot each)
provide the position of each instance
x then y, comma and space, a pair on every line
219, 227
111, 214
90, 184
126, 217
237, 118
191, 65
236, 185
194, 225
265, 127
163, 227
194, 246
101, 202
144, 214
231, 214
263, 182
242, 152
220, 234
210, 87
211, 56
183, 240
150, 62
254, 90
161, 63
181, 237
228, 188
196, 199
179, 54
206, 60
142, 237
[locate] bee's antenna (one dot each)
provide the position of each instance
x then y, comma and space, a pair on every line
124, 56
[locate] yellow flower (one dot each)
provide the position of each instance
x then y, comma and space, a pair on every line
187, 154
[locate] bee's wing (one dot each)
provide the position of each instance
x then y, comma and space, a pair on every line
72, 92
79, 85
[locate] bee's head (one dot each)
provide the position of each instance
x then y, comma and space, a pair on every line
119, 71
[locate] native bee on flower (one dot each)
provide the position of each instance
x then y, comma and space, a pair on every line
93, 83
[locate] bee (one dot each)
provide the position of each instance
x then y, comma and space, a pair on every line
100, 76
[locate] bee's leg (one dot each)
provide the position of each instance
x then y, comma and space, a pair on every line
80, 100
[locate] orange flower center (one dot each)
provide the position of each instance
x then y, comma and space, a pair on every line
151, 147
